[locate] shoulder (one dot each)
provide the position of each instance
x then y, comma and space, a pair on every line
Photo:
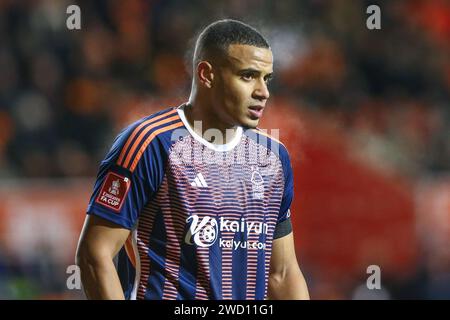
270, 140
134, 140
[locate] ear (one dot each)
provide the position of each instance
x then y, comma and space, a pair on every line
205, 74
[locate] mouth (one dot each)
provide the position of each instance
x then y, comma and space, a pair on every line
255, 112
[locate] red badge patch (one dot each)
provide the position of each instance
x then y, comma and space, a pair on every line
114, 191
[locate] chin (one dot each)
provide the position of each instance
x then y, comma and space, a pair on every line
251, 123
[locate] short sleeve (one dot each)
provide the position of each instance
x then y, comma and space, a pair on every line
120, 193
288, 192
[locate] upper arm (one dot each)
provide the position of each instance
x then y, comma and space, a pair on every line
129, 176
283, 255
100, 238
124, 184
286, 280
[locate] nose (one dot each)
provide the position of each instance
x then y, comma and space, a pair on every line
261, 91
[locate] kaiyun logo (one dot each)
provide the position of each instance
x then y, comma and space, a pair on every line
204, 233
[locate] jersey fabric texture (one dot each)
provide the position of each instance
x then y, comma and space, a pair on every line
202, 216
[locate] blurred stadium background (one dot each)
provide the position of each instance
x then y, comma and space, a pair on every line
365, 115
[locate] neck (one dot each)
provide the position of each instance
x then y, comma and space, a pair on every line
207, 124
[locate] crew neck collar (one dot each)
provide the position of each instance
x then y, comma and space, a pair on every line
216, 147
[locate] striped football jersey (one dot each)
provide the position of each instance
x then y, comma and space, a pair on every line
202, 216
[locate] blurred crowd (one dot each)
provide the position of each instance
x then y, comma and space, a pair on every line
65, 94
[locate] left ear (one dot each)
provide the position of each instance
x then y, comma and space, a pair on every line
205, 74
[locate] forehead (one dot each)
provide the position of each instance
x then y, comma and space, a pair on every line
245, 56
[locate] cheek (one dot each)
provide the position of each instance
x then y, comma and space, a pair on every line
237, 93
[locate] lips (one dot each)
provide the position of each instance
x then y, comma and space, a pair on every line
255, 112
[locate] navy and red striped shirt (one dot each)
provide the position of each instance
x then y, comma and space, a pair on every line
202, 216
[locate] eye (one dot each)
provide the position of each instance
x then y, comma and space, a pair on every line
247, 76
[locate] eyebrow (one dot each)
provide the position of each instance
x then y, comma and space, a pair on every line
255, 72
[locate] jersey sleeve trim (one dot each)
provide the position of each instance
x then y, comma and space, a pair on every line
140, 131
283, 229
132, 166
